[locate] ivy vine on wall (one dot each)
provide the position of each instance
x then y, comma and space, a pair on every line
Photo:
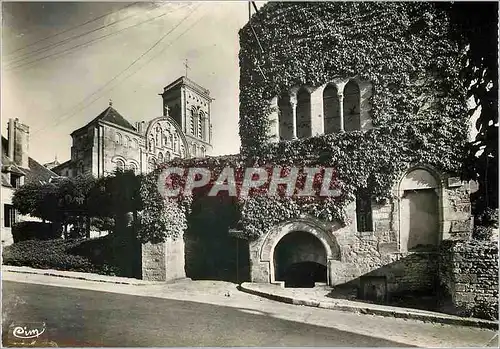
418, 105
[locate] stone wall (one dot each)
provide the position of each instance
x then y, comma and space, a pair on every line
174, 259
379, 254
153, 262
468, 271
163, 261
375, 255
457, 217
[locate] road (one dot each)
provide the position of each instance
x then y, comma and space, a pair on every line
76, 317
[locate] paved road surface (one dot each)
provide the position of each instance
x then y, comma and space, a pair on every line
76, 317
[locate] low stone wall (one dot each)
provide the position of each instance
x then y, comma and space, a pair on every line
153, 262
469, 274
163, 261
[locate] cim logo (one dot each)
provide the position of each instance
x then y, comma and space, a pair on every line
29, 331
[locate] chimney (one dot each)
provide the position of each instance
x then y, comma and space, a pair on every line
10, 136
18, 143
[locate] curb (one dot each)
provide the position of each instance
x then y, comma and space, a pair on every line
63, 274
449, 320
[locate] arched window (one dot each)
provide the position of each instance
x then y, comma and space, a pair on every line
194, 122
120, 165
285, 117
202, 151
135, 144
331, 109
167, 140
351, 106
303, 114
151, 164
160, 157
133, 167
128, 141
151, 144
167, 156
158, 136
118, 138
182, 150
201, 125
195, 150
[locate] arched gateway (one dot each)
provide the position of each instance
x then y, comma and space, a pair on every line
296, 253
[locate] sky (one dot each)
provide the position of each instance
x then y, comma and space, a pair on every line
62, 62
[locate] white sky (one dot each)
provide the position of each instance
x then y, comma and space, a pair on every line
61, 93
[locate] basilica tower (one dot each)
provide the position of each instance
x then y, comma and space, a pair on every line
189, 105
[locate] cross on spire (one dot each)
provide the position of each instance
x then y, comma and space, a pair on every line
110, 102
186, 66
167, 109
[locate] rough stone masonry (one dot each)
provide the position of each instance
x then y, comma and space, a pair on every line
469, 273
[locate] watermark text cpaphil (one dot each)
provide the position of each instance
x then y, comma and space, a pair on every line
245, 182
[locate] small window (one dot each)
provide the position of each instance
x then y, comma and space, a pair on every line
9, 215
118, 138
364, 212
15, 180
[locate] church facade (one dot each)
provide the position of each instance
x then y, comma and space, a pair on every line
111, 142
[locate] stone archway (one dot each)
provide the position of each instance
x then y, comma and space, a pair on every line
266, 247
300, 260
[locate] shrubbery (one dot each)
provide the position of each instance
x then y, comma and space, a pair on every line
30, 230
484, 224
82, 255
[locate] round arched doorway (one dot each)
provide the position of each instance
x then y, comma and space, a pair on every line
300, 260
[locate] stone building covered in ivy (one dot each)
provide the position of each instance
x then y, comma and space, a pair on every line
372, 90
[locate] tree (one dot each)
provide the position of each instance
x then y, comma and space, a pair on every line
475, 25
63, 202
116, 196
37, 200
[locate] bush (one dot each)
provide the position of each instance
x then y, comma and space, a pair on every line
82, 255
484, 225
30, 230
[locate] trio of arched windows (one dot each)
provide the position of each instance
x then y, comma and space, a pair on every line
340, 111
126, 141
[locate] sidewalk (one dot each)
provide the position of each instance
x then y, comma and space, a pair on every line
225, 294
316, 297
77, 275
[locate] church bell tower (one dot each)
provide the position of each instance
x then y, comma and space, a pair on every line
189, 105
